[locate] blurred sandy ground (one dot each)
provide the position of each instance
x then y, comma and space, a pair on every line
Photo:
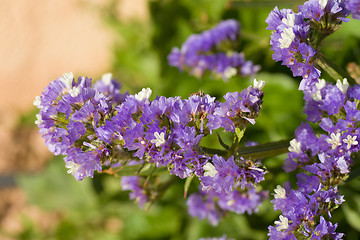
39, 41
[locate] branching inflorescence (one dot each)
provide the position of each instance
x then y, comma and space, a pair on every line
213, 51
100, 129
323, 158
97, 126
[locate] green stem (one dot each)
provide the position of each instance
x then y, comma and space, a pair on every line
333, 70
264, 150
138, 171
254, 152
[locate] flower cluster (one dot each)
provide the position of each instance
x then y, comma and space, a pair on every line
297, 37
91, 125
94, 126
133, 184
213, 51
325, 157
167, 131
73, 121
354, 7
228, 186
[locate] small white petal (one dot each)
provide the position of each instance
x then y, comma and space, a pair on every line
279, 192
67, 79
231, 202
283, 224
37, 101
289, 20
286, 38
159, 139
256, 169
106, 78
321, 84
295, 146
38, 119
209, 170
334, 140
350, 140
259, 84
316, 96
230, 72
323, 3
74, 92
145, 93
342, 86
73, 167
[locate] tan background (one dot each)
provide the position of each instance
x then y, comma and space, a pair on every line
39, 41
42, 39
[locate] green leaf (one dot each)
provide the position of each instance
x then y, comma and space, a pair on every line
187, 185
239, 133
351, 213
51, 188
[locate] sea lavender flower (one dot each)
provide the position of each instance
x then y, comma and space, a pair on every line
298, 37
238, 109
335, 110
212, 205
203, 206
205, 52
227, 175
73, 121
167, 131
229, 186
324, 159
138, 193
301, 208
354, 7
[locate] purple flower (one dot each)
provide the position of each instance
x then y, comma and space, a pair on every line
138, 193
203, 52
238, 109
73, 121
295, 39
354, 7
224, 175
203, 206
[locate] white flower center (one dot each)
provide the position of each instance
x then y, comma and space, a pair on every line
286, 38
67, 79
38, 119
342, 86
259, 84
295, 146
323, 3
350, 140
334, 140
73, 167
74, 92
37, 101
230, 72
230, 202
209, 170
145, 93
106, 78
159, 139
289, 20
321, 84
279, 192
316, 96
283, 224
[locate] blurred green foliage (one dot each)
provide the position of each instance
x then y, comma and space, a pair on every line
98, 209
